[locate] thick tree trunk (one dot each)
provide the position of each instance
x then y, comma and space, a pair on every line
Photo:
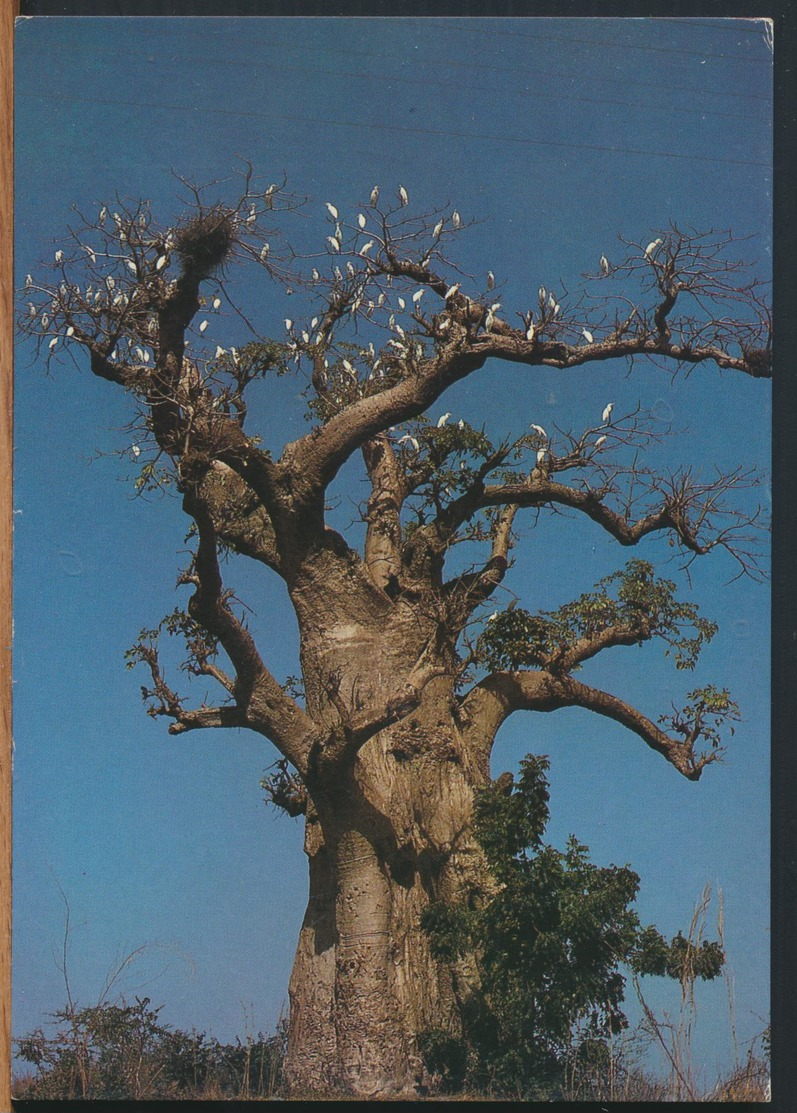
386, 835
364, 982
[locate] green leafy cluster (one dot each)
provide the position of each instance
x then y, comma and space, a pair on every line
549, 941
633, 599
705, 714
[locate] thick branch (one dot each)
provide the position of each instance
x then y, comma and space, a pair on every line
266, 706
383, 536
487, 705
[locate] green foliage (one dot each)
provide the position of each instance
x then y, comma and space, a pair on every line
123, 1052
706, 712
633, 601
549, 941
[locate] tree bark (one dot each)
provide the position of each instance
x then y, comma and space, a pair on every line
387, 833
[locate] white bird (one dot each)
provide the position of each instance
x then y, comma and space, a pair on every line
220, 352
361, 219
338, 274
605, 264
530, 332
411, 439
456, 219
460, 424
103, 214
132, 266
32, 310
135, 450
493, 616
348, 367
333, 212
541, 454
403, 195
333, 243
28, 280
539, 429
402, 303
59, 256
652, 247
350, 271
416, 297
587, 335
146, 357
203, 326
490, 280
374, 196
161, 263
288, 324
315, 274
551, 301
441, 421
600, 441
306, 337
252, 217
542, 292
70, 331
607, 413
90, 253
217, 303
438, 228
264, 250
52, 343
451, 291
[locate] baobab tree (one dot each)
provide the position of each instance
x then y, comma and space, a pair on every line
405, 680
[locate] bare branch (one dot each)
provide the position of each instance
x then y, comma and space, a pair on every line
501, 694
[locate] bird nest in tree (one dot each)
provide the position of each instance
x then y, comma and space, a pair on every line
205, 241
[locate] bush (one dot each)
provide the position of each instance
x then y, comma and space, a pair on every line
122, 1052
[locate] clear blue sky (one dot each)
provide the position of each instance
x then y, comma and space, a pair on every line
557, 135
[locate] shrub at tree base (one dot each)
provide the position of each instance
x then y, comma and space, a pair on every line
550, 940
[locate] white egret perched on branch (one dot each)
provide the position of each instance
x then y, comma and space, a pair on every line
605, 264
490, 280
217, 303
264, 250
451, 291
403, 195
530, 332
456, 219
600, 440
203, 326
333, 212
607, 413
438, 228
441, 421
539, 429
587, 335
416, 297
374, 196
541, 454
160, 263
653, 247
